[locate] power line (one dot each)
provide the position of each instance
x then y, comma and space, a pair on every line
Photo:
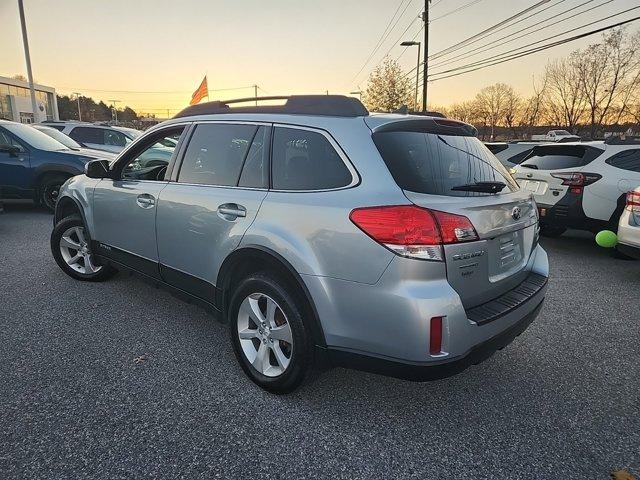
471, 53
486, 31
462, 7
383, 36
503, 54
536, 49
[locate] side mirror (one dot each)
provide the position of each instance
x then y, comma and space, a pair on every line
12, 150
97, 169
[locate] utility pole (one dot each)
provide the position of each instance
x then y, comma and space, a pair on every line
255, 93
78, 99
425, 64
115, 110
27, 57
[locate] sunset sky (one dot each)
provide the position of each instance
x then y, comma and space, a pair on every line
152, 54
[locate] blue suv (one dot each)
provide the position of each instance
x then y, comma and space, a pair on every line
34, 165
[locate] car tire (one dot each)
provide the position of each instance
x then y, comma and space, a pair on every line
49, 189
71, 249
552, 232
278, 366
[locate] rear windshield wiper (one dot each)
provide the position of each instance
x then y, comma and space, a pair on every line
481, 187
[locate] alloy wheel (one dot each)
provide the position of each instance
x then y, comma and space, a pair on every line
265, 334
75, 251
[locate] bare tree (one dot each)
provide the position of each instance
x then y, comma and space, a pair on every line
491, 104
388, 88
533, 108
565, 98
464, 111
607, 71
512, 106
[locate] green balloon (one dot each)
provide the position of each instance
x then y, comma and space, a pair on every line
606, 239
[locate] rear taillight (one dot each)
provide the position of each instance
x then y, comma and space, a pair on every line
413, 231
577, 180
633, 201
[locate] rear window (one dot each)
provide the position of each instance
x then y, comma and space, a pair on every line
434, 164
496, 147
556, 157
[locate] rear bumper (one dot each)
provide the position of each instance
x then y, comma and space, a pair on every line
421, 372
568, 213
629, 250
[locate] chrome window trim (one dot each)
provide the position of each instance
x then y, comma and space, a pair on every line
355, 177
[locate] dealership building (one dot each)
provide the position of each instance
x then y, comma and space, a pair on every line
15, 102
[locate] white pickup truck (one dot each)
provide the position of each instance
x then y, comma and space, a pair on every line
557, 136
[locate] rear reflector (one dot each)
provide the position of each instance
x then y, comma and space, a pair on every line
412, 231
435, 336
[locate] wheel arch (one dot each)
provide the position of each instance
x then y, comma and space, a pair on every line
67, 206
253, 259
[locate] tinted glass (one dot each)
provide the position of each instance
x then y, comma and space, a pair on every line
216, 153
430, 163
626, 160
496, 147
518, 158
255, 173
87, 135
305, 160
116, 139
33, 137
6, 139
555, 157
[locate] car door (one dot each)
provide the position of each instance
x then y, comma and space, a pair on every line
203, 214
124, 207
15, 167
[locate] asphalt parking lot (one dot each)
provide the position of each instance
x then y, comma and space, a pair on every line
121, 380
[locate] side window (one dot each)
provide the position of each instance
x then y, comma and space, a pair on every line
87, 135
6, 139
150, 163
117, 139
305, 160
255, 173
216, 153
626, 160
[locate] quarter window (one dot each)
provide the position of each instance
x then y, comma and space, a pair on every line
626, 160
306, 160
216, 153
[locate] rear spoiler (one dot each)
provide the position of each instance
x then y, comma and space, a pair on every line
438, 126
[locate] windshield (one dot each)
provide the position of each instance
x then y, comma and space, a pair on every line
34, 138
434, 164
59, 136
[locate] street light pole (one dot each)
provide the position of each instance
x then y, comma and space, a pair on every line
27, 57
415, 97
78, 99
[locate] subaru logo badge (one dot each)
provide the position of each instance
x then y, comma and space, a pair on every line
516, 213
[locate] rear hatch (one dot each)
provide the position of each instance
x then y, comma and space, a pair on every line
427, 162
536, 173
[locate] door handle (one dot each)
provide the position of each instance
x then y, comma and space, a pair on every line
145, 200
231, 211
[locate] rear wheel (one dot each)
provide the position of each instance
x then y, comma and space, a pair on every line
49, 189
269, 335
551, 232
71, 249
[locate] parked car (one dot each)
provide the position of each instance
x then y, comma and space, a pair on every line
511, 154
69, 142
34, 165
581, 185
557, 136
108, 138
321, 235
629, 226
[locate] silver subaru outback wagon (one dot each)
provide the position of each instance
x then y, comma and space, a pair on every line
321, 234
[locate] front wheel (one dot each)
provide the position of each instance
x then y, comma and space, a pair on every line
269, 334
71, 249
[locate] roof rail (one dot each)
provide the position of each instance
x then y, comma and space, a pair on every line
329, 105
622, 140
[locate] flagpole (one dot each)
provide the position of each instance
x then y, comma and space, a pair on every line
205, 76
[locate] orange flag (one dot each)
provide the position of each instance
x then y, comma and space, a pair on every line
200, 93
